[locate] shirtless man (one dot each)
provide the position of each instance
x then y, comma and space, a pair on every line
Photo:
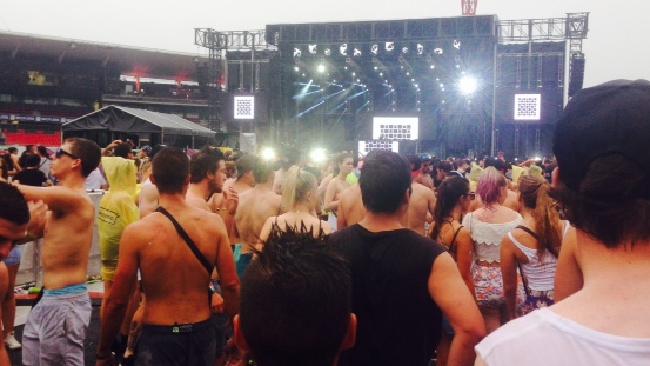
351, 209
257, 205
338, 184
244, 181
56, 328
176, 328
421, 207
207, 175
14, 216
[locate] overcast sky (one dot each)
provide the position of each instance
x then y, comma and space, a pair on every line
617, 47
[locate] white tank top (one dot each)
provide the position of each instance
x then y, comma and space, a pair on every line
539, 273
545, 338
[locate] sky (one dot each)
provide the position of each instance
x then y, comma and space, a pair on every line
617, 46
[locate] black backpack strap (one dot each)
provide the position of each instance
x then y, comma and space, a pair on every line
530, 232
453, 247
190, 243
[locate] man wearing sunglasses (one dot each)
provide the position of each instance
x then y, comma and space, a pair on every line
56, 328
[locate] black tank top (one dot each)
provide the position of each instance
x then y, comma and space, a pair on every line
398, 322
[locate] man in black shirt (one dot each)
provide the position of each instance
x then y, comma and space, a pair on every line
402, 283
31, 175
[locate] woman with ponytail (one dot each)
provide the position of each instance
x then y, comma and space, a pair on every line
532, 247
452, 202
299, 201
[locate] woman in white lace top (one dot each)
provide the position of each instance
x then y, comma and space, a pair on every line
481, 259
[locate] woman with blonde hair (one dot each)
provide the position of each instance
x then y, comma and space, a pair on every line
480, 258
532, 247
299, 201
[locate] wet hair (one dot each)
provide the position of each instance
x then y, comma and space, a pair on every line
385, 177
416, 163
13, 206
490, 185
447, 196
12, 150
201, 165
122, 150
170, 170
88, 152
42, 151
262, 170
295, 301
535, 196
30, 160
611, 202
445, 166
245, 164
297, 185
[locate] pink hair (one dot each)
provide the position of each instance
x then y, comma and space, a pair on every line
489, 185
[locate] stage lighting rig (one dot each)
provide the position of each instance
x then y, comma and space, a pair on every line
467, 85
344, 49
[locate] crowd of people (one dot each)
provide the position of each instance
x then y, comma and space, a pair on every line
208, 260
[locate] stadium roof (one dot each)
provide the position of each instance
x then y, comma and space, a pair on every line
153, 62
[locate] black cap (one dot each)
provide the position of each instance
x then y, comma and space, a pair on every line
612, 118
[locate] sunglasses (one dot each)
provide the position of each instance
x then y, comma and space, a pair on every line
60, 153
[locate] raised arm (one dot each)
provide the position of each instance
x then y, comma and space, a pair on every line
447, 289
61, 199
118, 298
509, 272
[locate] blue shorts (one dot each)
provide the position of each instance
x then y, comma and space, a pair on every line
14, 256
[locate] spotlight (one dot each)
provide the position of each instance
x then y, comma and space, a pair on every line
321, 68
297, 52
408, 73
312, 49
296, 69
432, 67
344, 49
467, 85
376, 67
345, 67
354, 73
267, 154
381, 74
318, 155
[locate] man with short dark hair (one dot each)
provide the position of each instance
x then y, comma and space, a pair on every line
296, 307
123, 151
402, 282
176, 248
255, 207
601, 145
344, 166
14, 217
56, 327
207, 176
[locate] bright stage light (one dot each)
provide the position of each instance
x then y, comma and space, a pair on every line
321, 68
267, 153
296, 69
318, 155
432, 67
467, 85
